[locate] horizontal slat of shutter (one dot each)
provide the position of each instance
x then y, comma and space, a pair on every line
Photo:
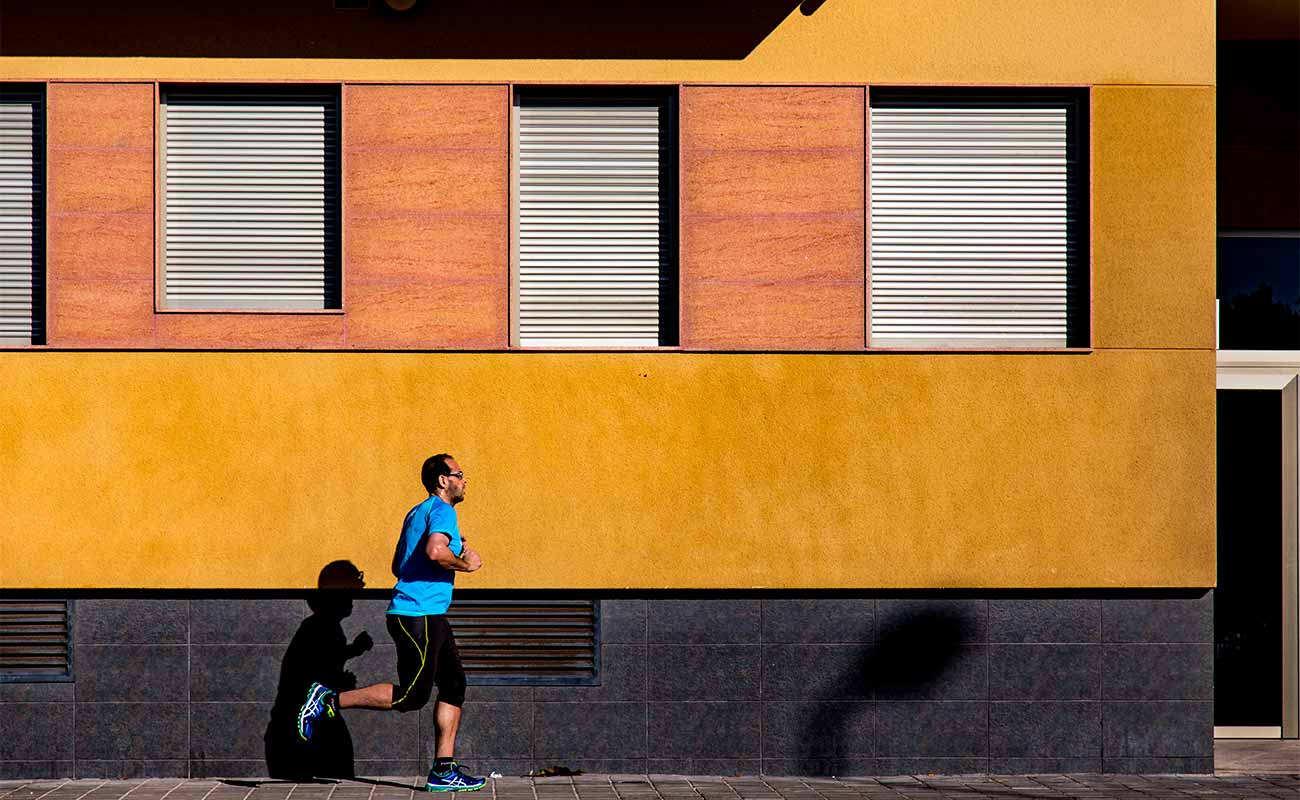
520, 639
21, 287
251, 200
590, 250
33, 638
969, 224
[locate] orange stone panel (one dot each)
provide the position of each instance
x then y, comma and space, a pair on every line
111, 115
426, 216
101, 181
428, 248
378, 182
112, 313
773, 218
101, 247
750, 182
428, 316
413, 118
289, 331
807, 247
774, 316
772, 117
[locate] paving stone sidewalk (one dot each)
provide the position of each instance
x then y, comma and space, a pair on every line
676, 787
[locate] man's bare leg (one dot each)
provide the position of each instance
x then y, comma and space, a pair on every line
446, 719
379, 696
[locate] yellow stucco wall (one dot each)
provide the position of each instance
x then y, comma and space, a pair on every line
880, 41
1153, 201
231, 470
613, 470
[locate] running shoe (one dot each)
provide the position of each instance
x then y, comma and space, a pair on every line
453, 780
320, 700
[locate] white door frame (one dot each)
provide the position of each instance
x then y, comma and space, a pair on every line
1277, 371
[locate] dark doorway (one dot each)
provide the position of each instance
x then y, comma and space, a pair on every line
1248, 600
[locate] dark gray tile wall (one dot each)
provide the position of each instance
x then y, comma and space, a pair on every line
726, 685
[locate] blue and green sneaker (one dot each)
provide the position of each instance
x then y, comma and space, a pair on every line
451, 779
320, 700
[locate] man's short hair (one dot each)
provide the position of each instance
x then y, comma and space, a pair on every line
341, 574
434, 467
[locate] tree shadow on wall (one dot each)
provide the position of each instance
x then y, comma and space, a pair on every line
674, 29
907, 662
318, 653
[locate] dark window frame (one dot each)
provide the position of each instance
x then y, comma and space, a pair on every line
1078, 291
40, 207
334, 266
669, 192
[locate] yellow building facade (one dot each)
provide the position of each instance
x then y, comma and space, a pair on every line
955, 551
908, 470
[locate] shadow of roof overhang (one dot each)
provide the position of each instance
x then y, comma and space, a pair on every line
467, 29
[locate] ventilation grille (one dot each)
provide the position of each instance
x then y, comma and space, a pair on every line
971, 219
22, 206
34, 639
504, 641
251, 200
591, 244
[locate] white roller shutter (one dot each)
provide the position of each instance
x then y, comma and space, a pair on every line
21, 213
251, 198
590, 244
969, 225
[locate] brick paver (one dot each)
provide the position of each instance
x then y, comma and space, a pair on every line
677, 787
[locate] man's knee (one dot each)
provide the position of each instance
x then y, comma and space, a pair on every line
414, 699
452, 691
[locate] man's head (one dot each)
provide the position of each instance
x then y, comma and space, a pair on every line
442, 476
337, 581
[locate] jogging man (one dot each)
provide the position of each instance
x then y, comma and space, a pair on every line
429, 553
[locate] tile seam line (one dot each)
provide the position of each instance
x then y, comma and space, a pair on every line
72, 649
762, 608
189, 677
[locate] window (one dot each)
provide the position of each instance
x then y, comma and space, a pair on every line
978, 219
22, 215
250, 199
595, 220
34, 641
534, 641
1259, 290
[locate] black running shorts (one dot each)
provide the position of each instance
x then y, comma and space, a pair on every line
426, 655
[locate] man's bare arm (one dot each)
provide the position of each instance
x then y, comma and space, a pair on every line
438, 549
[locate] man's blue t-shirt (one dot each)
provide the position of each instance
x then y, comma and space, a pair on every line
424, 587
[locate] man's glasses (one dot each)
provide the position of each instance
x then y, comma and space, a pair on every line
456, 474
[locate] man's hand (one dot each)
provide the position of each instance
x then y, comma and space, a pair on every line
439, 551
472, 559
359, 645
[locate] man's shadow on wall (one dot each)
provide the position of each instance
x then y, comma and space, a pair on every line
908, 661
317, 654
